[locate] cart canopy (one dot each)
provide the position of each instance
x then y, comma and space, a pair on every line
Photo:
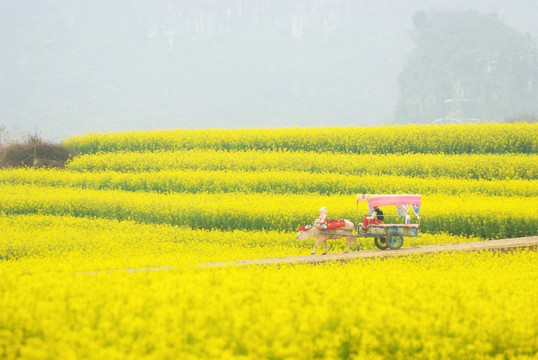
387, 200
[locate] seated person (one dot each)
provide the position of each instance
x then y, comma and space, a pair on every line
376, 217
377, 214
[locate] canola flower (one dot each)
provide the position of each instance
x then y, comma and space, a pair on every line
472, 305
474, 166
447, 139
83, 244
488, 217
275, 182
175, 199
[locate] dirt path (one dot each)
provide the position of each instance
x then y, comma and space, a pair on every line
495, 245
492, 245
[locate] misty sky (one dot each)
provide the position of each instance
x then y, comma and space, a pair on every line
70, 67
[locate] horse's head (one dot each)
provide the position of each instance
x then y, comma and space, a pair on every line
304, 232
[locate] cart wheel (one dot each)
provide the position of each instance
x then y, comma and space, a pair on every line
381, 243
394, 241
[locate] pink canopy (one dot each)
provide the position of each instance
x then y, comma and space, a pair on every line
384, 200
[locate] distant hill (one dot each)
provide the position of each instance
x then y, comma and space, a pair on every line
72, 67
468, 66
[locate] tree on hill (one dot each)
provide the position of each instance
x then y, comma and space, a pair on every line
33, 152
467, 65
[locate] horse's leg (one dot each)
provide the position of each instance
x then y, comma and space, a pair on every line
315, 246
325, 247
348, 243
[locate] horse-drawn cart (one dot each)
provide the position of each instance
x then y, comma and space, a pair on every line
387, 231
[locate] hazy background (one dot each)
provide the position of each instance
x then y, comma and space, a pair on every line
69, 67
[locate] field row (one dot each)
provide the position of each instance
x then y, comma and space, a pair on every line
488, 167
483, 216
465, 305
448, 139
276, 182
66, 243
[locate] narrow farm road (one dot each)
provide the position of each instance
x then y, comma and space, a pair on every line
514, 244
492, 245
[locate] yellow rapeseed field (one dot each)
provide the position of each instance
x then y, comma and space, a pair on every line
428, 139
484, 216
475, 305
265, 181
466, 166
100, 260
